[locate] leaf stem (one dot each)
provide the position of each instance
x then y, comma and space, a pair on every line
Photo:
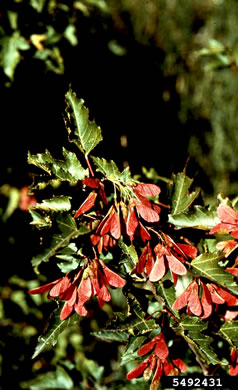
89, 165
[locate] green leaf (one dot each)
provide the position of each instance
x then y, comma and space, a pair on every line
38, 5
207, 265
68, 255
39, 220
111, 335
68, 231
199, 218
131, 257
58, 379
110, 170
55, 328
229, 331
192, 328
85, 134
69, 170
168, 293
57, 203
131, 352
181, 199
11, 46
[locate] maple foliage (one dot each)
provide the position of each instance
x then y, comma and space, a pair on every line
117, 233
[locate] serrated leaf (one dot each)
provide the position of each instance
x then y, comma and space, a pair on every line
68, 231
39, 220
168, 294
69, 170
11, 46
111, 335
55, 328
131, 351
58, 379
192, 331
57, 203
111, 171
229, 331
199, 218
181, 199
207, 265
130, 253
84, 133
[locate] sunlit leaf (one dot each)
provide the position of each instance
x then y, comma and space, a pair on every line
70, 169
111, 171
199, 218
181, 199
57, 203
68, 231
11, 46
229, 330
192, 328
58, 379
55, 327
84, 133
207, 265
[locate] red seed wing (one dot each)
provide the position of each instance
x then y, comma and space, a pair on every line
66, 311
147, 347
115, 227
206, 302
147, 189
189, 250
145, 235
137, 371
161, 349
87, 204
233, 271
180, 364
194, 303
215, 297
113, 279
158, 270
230, 299
147, 213
43, 289
131, 223
175, 265
150, 260
91, 182
105, 225
85, 291
182, 300
60, 287
227, 214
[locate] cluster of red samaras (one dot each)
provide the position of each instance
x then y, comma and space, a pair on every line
157, 362
212, 296
166, 255
76, 288
121, 219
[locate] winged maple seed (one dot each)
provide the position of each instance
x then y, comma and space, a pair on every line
229, 221
157, 362
233, 367
211, 295
166, 255
76, 288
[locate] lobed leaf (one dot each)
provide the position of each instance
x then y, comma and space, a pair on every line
110, 170
131, 351
181, 199
169, 295
68, 231
70, 169
200, 218
85, 134
229, 331
192, 329
55, 327
207, 265
57, 203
